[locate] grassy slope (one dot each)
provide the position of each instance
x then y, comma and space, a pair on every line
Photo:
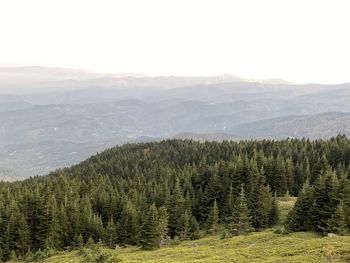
285, 204
257, 247
264, 246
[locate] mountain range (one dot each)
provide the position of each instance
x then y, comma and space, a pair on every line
52, 117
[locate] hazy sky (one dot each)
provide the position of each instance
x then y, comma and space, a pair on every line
300, 41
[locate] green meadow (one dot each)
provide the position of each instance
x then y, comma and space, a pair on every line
263, 246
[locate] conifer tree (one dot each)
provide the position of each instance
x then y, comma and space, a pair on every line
279, 182
128, 225
337, 223
111, 233
228, 208
78, 241
213, 218
240, 222
274, 213
23, 243
176, 208
53, 237
325, 200
299, 218
183, 230
150, 235
194, 228
260, 203
290, 176
344, 195
163, 225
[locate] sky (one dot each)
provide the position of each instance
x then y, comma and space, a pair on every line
296, 40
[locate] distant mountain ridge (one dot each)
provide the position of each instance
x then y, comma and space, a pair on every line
202, 137
66, 115
320, 126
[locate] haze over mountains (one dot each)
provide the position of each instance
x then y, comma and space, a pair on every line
52, 117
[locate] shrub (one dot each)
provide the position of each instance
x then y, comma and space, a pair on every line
175, 241
225, 234
280, 230
95, 253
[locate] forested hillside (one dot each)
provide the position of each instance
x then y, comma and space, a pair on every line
148, 194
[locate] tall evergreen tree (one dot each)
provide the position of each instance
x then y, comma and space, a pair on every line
260, 203
325, 200
149, 235
299, 218
183, 230
240, 223
213, 218
176, 208
274, 213
228, 208
128, 225
23, 243
337, 223
111, 233
163, 225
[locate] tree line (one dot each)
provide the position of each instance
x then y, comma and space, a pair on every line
152, 194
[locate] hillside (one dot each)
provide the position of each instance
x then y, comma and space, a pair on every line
318, 126
264, 247
154, 194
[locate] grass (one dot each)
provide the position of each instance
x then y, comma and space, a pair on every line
285, 204
265, 246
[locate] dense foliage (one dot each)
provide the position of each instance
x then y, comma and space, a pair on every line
324, 206
150, 193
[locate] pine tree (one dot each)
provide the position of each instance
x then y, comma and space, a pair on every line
240, 222
183, 230
176, 208
53, 237
111, 233
290, 176
279, 182
325, 200
337, 224
23, 243
78, 241
194, 229
228, 208
65, 227
299, 218
274, 213
260, 203
344, 195
18, 235
163, 225
128, 225
150, 235
213, 218
37, 217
